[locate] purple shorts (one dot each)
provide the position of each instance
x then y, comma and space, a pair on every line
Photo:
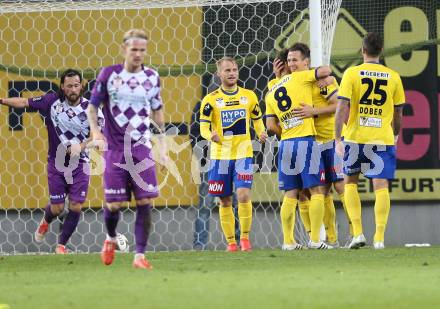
136, 173
73, 184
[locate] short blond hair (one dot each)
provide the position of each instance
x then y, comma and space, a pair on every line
134, 34
225, 59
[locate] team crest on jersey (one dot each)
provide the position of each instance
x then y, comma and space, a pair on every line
243, 100
117, 82
59, 108
220, 102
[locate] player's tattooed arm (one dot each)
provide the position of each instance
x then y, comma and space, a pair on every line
340, 117
397, 121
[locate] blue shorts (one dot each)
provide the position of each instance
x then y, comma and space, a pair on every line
374, 161
332, 162
224, 174
300, 164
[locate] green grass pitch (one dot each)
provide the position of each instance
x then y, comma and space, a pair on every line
365, 278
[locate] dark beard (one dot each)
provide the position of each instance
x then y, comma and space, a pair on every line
72, 98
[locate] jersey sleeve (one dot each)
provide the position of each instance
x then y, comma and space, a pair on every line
307, 76
255, 107
399, 93
42, 104
99, 91
346, 89
332, 89
206, 110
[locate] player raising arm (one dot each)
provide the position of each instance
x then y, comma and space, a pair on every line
373, 96
68, 132
324, 99
299, 159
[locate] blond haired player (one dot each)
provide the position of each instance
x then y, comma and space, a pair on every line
130, 95
225, 118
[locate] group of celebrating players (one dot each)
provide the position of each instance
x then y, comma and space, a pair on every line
302, 109
307, 110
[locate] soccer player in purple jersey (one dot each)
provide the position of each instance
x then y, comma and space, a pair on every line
68, 131
130, 94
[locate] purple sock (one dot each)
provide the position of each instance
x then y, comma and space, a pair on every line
69, 226
142, 227
48, 215
111, 221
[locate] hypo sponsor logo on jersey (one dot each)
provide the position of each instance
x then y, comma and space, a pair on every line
234, 121
216, 187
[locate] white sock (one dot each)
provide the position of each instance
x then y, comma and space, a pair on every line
108, 237
138, 256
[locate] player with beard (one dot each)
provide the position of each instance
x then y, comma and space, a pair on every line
68, 132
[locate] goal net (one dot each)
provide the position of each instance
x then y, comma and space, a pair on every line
40, 39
